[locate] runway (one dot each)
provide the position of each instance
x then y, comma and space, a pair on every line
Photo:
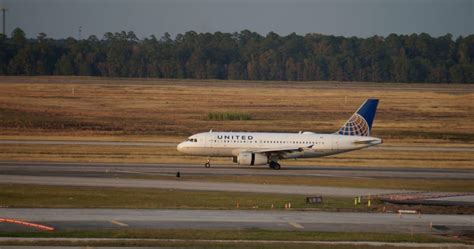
163, 176
171, 144
169, 170
194, 185
84, 219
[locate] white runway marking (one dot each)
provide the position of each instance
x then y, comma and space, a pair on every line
118, 223
295, 225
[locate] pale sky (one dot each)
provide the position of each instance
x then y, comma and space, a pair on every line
362, 18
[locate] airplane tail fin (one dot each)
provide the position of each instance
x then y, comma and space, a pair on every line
360, 123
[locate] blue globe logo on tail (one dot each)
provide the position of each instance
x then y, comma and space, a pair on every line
355, 126
360, 123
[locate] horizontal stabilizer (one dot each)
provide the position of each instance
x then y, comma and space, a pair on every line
365, 141
369, 141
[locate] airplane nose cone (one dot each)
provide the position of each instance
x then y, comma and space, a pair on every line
180, 147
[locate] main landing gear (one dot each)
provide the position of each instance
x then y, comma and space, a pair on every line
274, 165
208, 163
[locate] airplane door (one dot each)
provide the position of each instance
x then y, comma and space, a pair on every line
209, 140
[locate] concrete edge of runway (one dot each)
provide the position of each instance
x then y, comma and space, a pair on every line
310, 242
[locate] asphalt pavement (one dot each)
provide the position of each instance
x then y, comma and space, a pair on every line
63, 219
160, 169
194, 185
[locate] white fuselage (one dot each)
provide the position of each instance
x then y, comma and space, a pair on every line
226, 144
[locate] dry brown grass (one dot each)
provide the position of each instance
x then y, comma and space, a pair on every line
170, 107
149, 154
170, 110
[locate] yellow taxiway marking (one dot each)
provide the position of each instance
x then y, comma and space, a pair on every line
118, 223
296, 225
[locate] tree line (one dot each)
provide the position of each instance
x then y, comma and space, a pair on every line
244, 55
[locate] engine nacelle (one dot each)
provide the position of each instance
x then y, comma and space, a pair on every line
249, 158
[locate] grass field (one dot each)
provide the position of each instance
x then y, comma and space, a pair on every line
137, 154
61, 105
228, 116
90, 108
41, 196
37, 196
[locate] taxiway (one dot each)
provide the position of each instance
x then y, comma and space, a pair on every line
128, 169
63, 219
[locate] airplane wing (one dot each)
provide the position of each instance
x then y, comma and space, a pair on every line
282, 150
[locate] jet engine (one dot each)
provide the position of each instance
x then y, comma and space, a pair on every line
249, 158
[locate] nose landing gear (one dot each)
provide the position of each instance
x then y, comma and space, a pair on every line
208, 163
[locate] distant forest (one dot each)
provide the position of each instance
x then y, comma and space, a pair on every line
244, 56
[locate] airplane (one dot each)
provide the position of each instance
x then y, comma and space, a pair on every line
267, 148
